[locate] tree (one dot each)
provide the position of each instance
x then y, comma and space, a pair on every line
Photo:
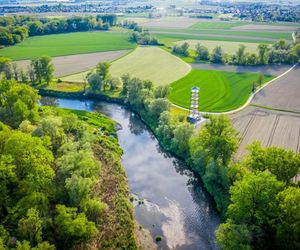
232, 236
35, 28
240, 55
217, 55
95, 82
202, 52
43, 69
217, 140
156, 107
254, 205
30, 228
288, 228
161, 91
180, 141
102, 69
284, 164
73, 227
33, 162
263, 53
18, 102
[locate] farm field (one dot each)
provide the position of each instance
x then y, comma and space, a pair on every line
228, 47
283, 93
250, 35
68, 44
147, 63
220, 91
67, 65
171, 22
272, 128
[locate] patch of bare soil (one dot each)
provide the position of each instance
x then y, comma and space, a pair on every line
283, 93
271, 128
67, 65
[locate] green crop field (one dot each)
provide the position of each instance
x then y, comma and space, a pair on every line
228, 47
219, 90
226, 33
68, 44
147, 63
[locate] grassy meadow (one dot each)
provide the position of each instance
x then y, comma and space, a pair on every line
68, 44
219, 90
228, 47
147, 63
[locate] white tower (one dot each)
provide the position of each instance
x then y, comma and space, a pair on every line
194, 115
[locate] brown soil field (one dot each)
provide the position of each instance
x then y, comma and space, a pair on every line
283, 93
274, 70
175, 22
271, 128
254, 27
67, 65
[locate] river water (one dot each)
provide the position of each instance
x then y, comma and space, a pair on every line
175, 204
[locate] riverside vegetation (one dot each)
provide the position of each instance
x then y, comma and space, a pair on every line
61, 181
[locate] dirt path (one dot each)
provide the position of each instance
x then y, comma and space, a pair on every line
67, 65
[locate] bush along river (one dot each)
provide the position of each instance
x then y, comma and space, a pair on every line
169, 200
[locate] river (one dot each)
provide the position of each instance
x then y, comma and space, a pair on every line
175, 204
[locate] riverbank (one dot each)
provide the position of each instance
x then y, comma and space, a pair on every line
102, 97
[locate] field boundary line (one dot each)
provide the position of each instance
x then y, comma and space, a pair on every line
249, 99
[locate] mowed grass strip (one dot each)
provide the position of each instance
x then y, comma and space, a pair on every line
220, 91
68, 44
228, 47
147, 63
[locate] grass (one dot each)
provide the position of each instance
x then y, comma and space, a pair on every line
66, 87
228, 47
68, 44
147, 63
220, 91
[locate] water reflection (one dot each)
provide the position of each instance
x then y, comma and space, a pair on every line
175, 204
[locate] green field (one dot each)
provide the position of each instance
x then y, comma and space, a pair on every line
228, 47
68, 44
147, 63
226, 33
220, 91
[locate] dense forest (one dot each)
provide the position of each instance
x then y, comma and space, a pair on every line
61, 181
14, 29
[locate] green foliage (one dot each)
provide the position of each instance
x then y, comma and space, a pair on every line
72, 226
284, 164
157, 106
217, 55
18, 102
42, 69
288, 226
30, 228
180, 140
202, 52
233, 236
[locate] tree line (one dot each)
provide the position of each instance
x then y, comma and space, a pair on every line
139, 35
281, 52
39, 72
14, 29
50, 166
256, 197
